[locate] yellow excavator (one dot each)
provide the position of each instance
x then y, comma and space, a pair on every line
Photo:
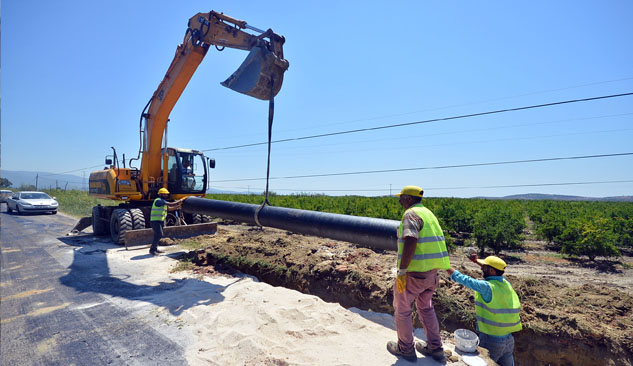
182, 171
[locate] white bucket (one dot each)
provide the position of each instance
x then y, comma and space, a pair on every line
466, 340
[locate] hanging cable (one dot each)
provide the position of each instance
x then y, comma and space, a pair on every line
271, 112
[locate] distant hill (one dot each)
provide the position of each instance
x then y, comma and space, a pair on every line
560, 197
44, 179
68, 181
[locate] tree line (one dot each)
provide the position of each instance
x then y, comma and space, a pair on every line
574, 228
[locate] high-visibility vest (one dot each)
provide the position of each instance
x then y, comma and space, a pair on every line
430, 252
500, 316
158, 213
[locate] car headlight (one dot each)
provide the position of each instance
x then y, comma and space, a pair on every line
25, 204
54, 204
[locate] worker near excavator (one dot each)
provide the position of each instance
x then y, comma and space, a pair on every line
158, 215
497, 307
421, 252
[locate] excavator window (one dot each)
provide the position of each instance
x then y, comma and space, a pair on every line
187, 172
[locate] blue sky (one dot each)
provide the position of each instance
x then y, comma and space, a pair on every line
77, 74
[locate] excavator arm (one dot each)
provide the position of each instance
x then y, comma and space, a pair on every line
259, 76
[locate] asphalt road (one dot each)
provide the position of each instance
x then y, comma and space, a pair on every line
56, 303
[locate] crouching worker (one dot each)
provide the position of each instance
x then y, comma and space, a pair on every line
497, 308
421, 252
158, 215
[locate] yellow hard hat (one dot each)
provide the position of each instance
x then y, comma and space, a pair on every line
411, 191
163, 191
494, 262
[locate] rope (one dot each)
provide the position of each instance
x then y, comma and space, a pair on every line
271, 112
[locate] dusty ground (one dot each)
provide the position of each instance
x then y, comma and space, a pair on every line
574, 312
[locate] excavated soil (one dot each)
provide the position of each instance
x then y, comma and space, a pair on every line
574, 312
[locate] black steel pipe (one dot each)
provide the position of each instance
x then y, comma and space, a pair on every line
364, 231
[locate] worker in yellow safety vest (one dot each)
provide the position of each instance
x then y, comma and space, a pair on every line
497, 307
160, 206
421, 252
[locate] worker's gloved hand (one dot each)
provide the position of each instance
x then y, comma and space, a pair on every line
472, 255
401, 283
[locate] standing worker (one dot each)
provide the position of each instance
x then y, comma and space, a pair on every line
421, 252
497, 307
158, 215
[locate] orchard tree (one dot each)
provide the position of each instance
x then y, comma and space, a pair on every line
597, 239
4, 182
498, 227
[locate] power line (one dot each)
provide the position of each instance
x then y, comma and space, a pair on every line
476, 102
429, 121
440, 188
437, 167
71, 171
477, 130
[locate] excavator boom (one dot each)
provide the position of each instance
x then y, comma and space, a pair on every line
260, 76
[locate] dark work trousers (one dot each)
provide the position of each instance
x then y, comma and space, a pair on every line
157, 226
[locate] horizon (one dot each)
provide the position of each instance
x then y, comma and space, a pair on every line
213, 190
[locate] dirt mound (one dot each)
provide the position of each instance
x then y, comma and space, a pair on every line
566, 321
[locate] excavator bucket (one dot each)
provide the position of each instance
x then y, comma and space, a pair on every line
255, 74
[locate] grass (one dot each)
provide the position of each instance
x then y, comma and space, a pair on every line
77, 203
192, 244
183, 265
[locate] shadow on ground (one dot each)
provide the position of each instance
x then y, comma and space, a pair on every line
89, 272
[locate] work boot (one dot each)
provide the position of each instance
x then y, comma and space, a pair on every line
423, 348
394, 349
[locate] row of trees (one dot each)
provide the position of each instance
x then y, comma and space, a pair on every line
584, 228
576, 228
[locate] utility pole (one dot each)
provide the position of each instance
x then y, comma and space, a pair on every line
389, 189
36, 178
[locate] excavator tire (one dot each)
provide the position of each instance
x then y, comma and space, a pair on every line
120, 222
99, 226
206, 218
138, 219
196, 219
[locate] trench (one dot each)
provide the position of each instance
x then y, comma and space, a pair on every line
352, 289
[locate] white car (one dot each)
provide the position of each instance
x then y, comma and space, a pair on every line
4, 195
24, 202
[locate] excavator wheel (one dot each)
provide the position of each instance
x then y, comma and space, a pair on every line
138, 219
99, 226
120, 222
196, 219
206, 218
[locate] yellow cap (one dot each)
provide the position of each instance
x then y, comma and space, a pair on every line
411, 191
494, 262
163, 191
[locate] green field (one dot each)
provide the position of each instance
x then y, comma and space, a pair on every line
575, 228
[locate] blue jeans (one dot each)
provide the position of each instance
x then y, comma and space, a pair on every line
500, 348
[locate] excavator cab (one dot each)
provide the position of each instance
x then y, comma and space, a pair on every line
186, 171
